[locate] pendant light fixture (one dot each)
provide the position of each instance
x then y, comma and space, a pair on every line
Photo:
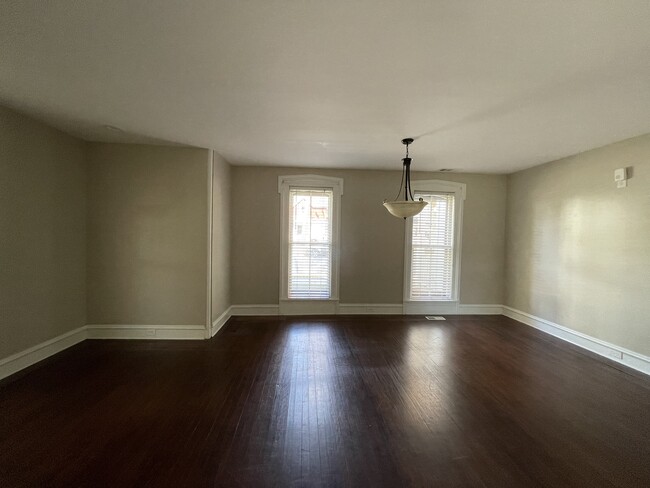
405, 208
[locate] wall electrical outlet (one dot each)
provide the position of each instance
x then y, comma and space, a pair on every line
621, 184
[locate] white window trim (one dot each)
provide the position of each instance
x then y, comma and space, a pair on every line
437, 306
289, 306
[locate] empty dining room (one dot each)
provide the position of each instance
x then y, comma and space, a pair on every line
324, 244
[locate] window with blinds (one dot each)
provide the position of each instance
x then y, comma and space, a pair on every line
310, 243
432, 248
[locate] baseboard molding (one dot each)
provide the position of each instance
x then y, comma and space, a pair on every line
136, 331
373, 309
370, 309
23, 359
220, 321
309, 307
430, 308
616, 353
487, 309
255, 310
33, 355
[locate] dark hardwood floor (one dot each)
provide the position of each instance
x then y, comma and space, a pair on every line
336, 401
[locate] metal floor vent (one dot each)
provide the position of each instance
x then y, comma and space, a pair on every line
434, 317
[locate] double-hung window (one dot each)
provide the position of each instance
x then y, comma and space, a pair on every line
310, 243
309, 247
432, 261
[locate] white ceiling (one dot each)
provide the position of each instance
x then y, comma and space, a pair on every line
489, 86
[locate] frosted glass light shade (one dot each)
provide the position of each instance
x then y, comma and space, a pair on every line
404, 209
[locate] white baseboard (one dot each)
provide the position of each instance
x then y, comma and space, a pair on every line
616, 353
23, 359
220, 321
430, 308
374, 309
487, 309
309, 307
33, 355
255, 310
451, 308
28, 357
135, 331
370, 309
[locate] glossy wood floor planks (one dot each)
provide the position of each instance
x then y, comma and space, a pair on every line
359, 401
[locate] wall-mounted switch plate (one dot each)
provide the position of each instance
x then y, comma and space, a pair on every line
621, 184
620, 174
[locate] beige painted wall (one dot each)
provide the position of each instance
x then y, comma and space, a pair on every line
372, 241
147, 234
42, 229
579, 248
220, 236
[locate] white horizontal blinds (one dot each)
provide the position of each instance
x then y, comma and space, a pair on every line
310, 243
432, 248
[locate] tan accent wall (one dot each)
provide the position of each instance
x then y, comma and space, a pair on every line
147, 234
579, 248
220, 236
42, 233
372, 241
